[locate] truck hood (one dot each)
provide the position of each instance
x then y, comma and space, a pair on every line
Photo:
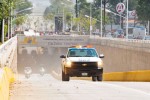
84, 59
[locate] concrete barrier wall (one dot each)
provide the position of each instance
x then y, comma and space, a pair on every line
122, 60
7, 50
142, 75
121, 55
6, 78
125, 60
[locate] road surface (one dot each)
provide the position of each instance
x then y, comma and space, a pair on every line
50, 87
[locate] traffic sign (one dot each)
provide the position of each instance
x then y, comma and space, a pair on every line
120, 8
133, 13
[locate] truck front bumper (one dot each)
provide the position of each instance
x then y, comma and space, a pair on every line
83, 72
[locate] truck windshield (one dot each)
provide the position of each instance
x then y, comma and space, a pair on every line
82, 53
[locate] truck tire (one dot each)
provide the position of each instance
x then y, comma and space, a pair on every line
99, 78
27, 76
94, 78
65, 77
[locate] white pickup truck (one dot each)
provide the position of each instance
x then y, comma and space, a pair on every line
82, 62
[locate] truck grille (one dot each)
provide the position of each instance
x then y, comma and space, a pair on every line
84, 65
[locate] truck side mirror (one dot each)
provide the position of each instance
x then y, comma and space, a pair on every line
62, 56
101, 56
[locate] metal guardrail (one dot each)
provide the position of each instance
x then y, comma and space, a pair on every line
7, 51
121, 39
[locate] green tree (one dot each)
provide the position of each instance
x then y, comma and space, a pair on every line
21, 10
20, 20
84, 9
58, 8
143, 10
5, 8
84, 23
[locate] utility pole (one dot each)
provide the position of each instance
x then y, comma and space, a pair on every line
104, 15
71, 22
63, 20
121, 21
76, 8
127, 21
101, 19
148, 28
90, 19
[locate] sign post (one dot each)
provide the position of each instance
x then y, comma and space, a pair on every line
127, 22
120, 8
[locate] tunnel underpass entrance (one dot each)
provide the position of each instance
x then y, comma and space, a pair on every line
37, 57
45, 51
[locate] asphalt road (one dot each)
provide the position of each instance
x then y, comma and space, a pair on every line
50, 87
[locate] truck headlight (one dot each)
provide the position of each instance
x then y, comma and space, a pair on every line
68, 64
100, 63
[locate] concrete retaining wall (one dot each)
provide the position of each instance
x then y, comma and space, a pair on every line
142, 75
123, 55
6, 78
120, 54
125, 60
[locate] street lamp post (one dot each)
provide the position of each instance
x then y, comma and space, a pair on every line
27, 9
101, 20
148, 28
90, 1
114, 13
63, 17
90, 19
94, 19
71, 22
104, 14
127, 22
76, 8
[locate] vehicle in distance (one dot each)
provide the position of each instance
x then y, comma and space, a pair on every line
82, 62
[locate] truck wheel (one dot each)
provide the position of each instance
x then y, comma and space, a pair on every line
65, 77
94, 78
100, 78
27, 76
